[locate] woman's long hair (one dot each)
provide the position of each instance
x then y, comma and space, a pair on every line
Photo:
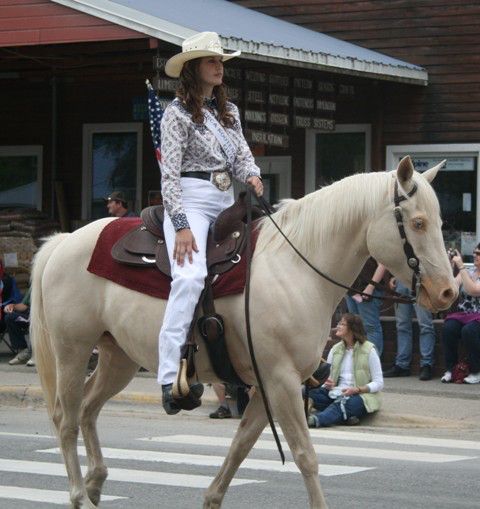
190, 92
355, 326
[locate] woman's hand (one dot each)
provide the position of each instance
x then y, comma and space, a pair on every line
257, 185
351, 391
457, 259
328, 384
9, 308
185, 244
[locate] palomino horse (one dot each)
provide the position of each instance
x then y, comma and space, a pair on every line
336, 228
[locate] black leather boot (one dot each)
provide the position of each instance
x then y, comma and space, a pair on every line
173, 405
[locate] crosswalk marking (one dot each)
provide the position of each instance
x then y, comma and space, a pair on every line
212, 461
119, 474
337, 450
391, 439
47, 496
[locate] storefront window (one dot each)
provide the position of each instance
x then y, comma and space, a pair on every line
114, 157
112, 161
338, 155
456, 188
20, 169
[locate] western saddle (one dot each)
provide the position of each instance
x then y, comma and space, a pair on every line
145, 246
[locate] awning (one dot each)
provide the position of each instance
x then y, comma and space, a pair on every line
258, 36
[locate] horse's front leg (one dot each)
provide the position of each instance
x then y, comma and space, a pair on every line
287, 406
251, 426
113, 373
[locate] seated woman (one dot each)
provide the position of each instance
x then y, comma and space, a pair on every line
464, 325
352, 390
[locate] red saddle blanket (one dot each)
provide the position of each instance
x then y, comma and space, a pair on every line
150, 280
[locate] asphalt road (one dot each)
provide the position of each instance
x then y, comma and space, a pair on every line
174, 458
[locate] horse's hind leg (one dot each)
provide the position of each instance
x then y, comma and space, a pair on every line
113, 373
72, 360
251, 426
287, 406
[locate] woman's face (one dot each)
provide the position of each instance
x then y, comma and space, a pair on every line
342, 328
476, 257
210, 71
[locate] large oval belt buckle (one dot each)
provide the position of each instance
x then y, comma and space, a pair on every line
222, 180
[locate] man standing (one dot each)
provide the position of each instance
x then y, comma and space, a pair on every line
117, 205
403, 317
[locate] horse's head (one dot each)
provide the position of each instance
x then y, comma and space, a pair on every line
422, 224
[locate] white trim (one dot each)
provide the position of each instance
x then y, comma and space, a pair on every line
310, 159
28, 150
164, 30
88, 131
281, 166
393, 152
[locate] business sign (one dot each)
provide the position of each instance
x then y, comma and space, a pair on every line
266, 138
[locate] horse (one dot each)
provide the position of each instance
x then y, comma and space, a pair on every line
337, 228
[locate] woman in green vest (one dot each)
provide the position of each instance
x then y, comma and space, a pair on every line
352, 390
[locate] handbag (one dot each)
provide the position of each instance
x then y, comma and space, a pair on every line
460, 371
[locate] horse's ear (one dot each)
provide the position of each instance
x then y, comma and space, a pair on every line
405, 170
432, 172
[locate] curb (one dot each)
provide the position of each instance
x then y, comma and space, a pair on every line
31, 395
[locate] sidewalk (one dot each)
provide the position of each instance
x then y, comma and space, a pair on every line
407, 402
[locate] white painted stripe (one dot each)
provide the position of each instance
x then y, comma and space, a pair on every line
391, 439
337, 450
119, 474
47, 496
26, 435
211, 461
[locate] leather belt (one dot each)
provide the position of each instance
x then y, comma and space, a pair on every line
204, 175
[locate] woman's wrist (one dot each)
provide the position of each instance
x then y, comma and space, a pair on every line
462, 267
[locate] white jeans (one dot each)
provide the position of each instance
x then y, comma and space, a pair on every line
202, 202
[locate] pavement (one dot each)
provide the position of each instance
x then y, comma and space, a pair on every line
407, 401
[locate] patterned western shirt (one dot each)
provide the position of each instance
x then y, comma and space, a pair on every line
187, 146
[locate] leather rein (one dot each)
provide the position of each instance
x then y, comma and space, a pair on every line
412, 259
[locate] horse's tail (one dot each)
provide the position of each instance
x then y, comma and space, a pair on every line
39, 334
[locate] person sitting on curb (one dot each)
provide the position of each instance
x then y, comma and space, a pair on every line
464, 324
352, 390
17, 321
403, 318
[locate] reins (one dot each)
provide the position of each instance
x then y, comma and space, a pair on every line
412, 259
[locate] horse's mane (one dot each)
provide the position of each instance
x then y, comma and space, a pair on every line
316, 219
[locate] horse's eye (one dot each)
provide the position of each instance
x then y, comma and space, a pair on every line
418, 223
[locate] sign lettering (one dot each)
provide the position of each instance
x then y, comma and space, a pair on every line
266, 138
303, 83
326, 105
279, 100
278, 81
324, 124
255, 96
256, 77
325, 86
278, 119
256, 116
305, 103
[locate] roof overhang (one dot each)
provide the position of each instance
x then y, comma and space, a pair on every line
151, 18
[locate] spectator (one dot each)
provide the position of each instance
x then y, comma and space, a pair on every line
355, 379
464, 325
17, 320
9, 294
117, 205
368, 308
223, 411
403, 317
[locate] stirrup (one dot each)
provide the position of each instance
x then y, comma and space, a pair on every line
180, 388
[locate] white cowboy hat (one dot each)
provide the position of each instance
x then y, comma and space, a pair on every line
204, 44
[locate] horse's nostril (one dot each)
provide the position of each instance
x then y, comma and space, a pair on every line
447, 295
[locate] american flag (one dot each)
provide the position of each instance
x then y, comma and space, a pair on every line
155, 113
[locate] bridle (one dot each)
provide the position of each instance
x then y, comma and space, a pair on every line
412, 259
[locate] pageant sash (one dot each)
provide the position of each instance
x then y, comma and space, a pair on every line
229, 148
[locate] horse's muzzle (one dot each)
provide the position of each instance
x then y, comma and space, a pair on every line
437, 295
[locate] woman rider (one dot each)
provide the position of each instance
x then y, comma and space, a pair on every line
202, 147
